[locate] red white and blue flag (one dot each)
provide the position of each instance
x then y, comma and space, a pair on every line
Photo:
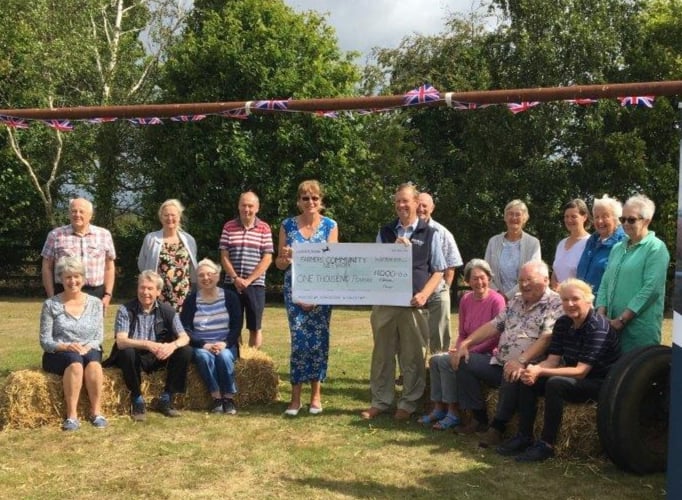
146, 121
273, 105
425, 93
519, 107
59, 125
187, 118
639, 100
13, 122
103, 119
239, 113
582, 101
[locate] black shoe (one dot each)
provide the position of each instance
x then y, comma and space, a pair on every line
139, 412
229, 407
514, 446
217, 406
539, 452
166, 408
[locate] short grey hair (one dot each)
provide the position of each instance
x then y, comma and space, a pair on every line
208, 263
477, 264
69, 265
643, 204
539, 266
174, 203
153, 276
611, 204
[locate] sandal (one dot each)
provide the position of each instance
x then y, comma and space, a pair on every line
448, 422
434, 416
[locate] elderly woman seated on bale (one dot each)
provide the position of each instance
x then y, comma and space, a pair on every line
71, 334
212, 317
583, 348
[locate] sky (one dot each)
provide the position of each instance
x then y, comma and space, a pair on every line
363, 24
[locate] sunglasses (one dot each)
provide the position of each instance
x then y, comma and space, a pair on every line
308, 198
629, 220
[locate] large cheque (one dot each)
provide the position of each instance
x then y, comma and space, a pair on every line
352, 273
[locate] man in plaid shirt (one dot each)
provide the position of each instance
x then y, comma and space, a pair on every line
92, 244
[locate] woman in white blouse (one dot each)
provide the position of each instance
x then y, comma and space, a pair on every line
570, 249
508, 251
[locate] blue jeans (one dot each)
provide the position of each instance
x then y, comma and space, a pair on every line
217, 370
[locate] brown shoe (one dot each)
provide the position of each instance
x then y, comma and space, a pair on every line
491, 438
371, 413
402, 415
473, 427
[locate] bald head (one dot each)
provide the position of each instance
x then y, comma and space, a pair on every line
425, 207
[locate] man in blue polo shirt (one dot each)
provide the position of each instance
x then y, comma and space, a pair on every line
582, 349
403, 330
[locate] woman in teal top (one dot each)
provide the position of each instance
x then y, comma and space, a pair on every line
632, 291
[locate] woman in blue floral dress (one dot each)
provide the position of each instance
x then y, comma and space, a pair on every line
308, 323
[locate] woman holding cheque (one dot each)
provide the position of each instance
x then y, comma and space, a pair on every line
308, 323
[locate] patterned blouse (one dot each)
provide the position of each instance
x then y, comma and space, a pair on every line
174, 269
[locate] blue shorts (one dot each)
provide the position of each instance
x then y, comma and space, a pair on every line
57, 362
253, 304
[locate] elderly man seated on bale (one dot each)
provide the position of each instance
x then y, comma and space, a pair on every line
582, 349
150, 336
525, 328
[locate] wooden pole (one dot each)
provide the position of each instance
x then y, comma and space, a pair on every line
543, 94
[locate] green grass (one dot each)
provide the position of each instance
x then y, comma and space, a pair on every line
260, 454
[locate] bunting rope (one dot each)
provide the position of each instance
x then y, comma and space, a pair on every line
641, 94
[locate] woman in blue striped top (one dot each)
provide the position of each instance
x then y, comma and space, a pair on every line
212, 318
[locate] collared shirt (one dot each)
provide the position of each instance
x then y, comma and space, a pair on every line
94, 248
144, 329
522, 325
246, 247
450, 250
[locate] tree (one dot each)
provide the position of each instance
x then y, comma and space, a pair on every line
247, 50
70, 53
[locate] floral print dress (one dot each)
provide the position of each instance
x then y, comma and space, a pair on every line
174, 265
309, 329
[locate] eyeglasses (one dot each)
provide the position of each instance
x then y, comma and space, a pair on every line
629, 220
308, 198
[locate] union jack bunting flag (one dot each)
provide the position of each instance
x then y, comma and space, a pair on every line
639, 100
12, 122
59, 125
518, 107
239, 113
103, 119
327, 114
145, 121
272, 105
463, 105
425, 93
188, 118
582, 102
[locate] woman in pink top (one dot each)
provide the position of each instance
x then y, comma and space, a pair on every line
476, 308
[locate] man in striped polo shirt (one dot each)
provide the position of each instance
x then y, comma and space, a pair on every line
246, 253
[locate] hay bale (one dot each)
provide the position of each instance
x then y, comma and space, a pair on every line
33, 398
577, 437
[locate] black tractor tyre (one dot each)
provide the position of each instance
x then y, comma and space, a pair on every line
634, 407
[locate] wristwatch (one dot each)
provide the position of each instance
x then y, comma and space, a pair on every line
522, 359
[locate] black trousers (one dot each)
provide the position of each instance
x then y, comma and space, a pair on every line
556, 390
133, 361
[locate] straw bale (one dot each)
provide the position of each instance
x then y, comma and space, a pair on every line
578, 437
33, 398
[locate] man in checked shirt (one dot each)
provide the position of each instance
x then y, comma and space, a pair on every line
92, 244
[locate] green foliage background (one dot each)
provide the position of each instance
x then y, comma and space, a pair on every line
473, 162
